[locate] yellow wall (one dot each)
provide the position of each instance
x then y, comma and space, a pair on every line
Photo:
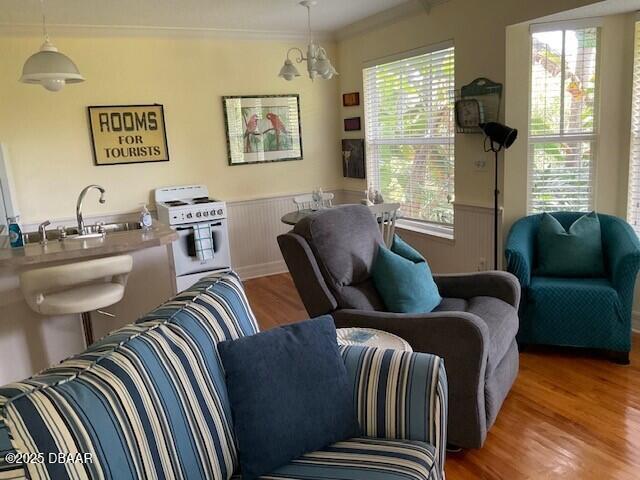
48, 138
612, 153
478, 31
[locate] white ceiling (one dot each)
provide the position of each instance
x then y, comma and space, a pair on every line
276, 16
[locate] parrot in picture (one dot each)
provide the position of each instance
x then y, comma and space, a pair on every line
251, 125
278, 126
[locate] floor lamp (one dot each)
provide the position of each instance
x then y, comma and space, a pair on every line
500, 136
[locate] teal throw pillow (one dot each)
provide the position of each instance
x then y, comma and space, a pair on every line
404, 280
573, 253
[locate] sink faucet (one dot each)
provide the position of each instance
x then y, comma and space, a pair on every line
42, 229
84, 191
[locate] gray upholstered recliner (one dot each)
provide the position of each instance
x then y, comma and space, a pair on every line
330, 255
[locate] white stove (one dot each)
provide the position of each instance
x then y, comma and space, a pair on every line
202, 246
187, 204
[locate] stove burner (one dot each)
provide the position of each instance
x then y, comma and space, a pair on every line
202, 200
175, 203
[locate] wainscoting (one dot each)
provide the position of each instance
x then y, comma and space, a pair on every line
255, 224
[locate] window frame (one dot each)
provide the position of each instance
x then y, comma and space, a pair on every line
561, 137
439, 229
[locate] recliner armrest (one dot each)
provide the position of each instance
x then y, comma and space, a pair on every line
502, 285
400, 395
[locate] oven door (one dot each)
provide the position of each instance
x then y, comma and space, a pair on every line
184, 257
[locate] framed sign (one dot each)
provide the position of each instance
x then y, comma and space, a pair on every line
128, 134
263, 128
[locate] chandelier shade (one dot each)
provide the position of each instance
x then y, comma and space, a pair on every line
288, 70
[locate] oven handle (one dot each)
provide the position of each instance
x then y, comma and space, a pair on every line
180, 229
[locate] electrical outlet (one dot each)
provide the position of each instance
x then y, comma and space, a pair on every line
482, 264
480, 164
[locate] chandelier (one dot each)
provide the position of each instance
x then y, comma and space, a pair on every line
318, 64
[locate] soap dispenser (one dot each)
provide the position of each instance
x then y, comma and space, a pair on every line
15, 233
146, 221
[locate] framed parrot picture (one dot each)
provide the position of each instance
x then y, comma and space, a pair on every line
262, 128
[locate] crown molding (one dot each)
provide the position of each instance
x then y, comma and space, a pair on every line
154, 31
407, 9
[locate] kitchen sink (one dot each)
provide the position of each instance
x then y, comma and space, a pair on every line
91, 231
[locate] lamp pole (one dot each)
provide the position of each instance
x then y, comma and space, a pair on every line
496, 194
502, 136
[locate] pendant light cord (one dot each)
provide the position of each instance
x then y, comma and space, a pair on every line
44, 22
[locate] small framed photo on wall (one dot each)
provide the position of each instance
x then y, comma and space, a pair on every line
352, 124
351, 99
353, 159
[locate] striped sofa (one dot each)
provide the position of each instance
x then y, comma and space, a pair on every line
149, 402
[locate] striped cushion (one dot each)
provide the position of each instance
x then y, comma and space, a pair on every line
399, 395
363, 459
148, 401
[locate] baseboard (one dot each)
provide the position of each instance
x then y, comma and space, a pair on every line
635, 321
261, 269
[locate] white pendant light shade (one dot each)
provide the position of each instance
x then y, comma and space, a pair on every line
50, 68
330, 73
323, 66
289, 71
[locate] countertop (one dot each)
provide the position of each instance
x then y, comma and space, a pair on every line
70, 249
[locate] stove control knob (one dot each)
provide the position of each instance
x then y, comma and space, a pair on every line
213, 213
198, 214
205, 213
189, 215
220, 212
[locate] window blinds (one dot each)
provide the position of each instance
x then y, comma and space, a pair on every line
633, 204
562, 125
410, 133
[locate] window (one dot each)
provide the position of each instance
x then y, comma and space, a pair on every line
633, 204
410, 133
562, 123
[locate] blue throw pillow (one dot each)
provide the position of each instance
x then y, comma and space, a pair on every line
573, 253
289, 394
403, 279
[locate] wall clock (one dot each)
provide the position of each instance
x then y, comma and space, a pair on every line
469, 113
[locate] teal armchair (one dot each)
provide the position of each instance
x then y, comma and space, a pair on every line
577, 312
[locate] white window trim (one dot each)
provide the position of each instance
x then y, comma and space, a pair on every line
595, 22
426, 228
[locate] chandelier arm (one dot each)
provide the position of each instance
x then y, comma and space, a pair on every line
301, 58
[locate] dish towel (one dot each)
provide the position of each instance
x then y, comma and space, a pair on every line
203, 241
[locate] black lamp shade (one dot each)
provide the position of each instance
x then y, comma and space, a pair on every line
499, 133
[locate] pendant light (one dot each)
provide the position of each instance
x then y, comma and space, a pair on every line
48, 67
318, 63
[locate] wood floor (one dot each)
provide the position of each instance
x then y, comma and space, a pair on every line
568, 416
